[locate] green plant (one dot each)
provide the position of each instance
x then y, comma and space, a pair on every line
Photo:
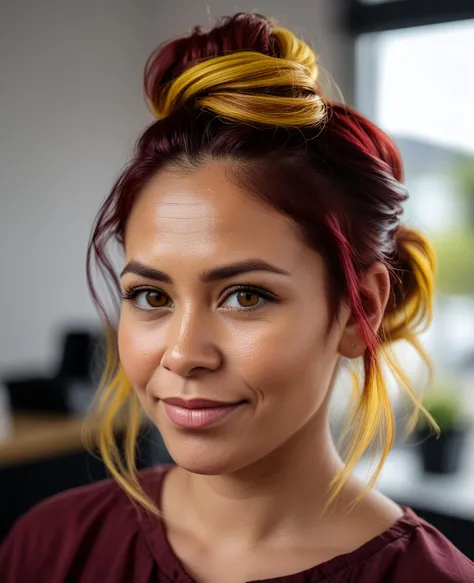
444, 402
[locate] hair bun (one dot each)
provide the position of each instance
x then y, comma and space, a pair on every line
413, 290
237, 69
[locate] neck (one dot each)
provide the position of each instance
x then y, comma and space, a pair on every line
280, 495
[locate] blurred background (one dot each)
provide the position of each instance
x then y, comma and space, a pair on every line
71, 108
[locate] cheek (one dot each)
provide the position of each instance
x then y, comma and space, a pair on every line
288, 360
139, 352
289, 370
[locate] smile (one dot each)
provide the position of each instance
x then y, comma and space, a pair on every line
197, 417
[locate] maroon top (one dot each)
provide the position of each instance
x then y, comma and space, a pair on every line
94, 534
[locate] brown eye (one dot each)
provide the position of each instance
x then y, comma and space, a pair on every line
147, 299
248, 299
155, 299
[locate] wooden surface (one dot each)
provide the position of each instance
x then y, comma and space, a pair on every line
39, 436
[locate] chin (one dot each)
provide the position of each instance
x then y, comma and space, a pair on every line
205, 459
212, 451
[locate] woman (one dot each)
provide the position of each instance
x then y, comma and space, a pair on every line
263, 248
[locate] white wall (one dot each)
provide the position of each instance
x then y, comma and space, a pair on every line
71, 104
71, 107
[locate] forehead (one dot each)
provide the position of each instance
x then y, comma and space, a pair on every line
203, 214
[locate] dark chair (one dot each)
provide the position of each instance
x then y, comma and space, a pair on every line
81, 352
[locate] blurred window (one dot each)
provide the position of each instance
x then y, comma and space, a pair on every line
418, 85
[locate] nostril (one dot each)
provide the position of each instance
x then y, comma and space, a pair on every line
196, 371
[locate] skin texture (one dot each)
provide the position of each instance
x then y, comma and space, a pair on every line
249, 490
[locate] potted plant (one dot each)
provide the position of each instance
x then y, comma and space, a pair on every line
441, 454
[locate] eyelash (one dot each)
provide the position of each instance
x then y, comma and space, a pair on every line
132, 293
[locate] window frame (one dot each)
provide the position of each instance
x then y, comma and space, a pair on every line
396, 14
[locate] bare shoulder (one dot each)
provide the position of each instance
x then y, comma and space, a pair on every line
380, 512
373, 516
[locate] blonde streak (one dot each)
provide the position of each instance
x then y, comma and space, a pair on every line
108, 447
356, 392
423, 271
395, 367
285, 39
132, 431
363, 405
118, 412
294, 77
256, 69
114, 394
106, 391
293, 48
204, 75
405, 383
127, 481
415, 342
358, 426
112, 459
102, 396
421, 241
416, 315
221, 70
124, 474
263, 109
110, 410
110, 400
111, 362
397, 326
424, 259
412, 318
251, 77
134, 488
374, 413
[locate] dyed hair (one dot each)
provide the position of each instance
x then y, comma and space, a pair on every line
247, 93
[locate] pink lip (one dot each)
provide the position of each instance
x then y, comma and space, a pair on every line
197, 412
196, 403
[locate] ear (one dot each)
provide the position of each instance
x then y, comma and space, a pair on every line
375, 291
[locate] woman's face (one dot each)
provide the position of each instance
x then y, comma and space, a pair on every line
226, 304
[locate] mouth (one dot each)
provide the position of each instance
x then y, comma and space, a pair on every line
196, 413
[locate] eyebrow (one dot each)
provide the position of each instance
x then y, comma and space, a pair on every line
215, 274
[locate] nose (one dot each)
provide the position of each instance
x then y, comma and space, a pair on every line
191, 347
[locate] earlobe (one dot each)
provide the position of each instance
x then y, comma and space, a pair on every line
351, 344
351, 348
